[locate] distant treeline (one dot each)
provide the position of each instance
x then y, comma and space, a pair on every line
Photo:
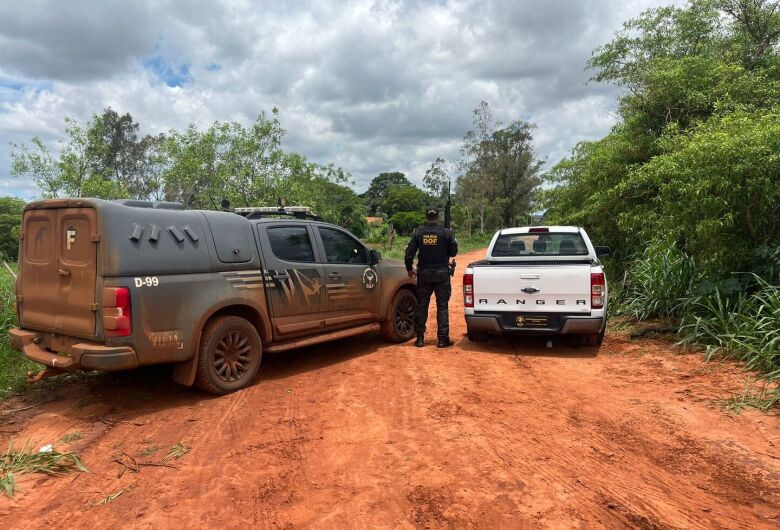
107, 157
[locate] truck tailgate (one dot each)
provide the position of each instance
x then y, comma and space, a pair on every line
57, 270
531, 288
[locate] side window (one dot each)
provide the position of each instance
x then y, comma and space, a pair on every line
342, 248
291, 243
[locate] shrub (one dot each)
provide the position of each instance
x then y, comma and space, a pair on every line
406, 222
377, 234
658, 283
744, 325
13, 367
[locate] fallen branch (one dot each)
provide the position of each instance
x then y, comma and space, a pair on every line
134, 465
7, 266
155, 464
14, 411
113, 423
653, 329
133, 468
22, 409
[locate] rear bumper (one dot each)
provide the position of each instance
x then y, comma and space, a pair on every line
40, 347
496, 324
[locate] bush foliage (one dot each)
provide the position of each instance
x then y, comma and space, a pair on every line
686, 186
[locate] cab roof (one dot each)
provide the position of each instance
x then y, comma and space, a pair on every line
541, 229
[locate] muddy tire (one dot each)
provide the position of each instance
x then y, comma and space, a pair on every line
229, 355
399, 327
477, 336
594, 339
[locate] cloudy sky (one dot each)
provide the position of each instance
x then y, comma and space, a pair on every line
370, 85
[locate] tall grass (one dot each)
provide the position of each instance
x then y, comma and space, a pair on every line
658, 284
746, 325
739, 319
16, 462
13, 367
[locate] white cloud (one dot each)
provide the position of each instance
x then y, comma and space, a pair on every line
372, 86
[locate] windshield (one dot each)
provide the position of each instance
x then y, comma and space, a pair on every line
542, 244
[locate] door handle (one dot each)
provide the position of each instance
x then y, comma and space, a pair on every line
334, 276
281, 277
63, 272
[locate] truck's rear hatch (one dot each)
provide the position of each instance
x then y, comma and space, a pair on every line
57, 268
532, 288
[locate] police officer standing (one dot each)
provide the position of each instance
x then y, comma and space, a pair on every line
436, 245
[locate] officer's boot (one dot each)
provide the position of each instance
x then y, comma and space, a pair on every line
444, 343
420, 340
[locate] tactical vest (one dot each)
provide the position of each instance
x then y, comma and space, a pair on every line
432, 245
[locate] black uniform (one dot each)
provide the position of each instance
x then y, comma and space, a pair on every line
436, 245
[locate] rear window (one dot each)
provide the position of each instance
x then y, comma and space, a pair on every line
543, 244
291, 243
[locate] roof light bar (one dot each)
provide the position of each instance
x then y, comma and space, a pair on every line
259, 212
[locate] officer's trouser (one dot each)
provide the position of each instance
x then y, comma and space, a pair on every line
431, 281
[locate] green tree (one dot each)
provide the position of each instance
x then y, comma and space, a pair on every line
245, 165
500, 171
406, 222
11, 209
323, 188
718, 187
108, 158
377, 190
437, 180
692, 160
115, 151
407, 198
102, 158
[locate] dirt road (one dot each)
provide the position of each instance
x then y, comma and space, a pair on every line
361, 434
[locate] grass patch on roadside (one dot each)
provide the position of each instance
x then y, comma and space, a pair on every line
15, 463
735, 316
13, 367
762, 398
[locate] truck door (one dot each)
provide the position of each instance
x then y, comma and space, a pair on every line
294, 280
58, 270
352, 284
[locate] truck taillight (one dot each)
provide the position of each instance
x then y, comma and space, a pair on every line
596, 290
468, 290
117, 319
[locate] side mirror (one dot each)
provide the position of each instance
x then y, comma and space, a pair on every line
374, 257
603, 252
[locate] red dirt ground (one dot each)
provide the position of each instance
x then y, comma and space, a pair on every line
361, 434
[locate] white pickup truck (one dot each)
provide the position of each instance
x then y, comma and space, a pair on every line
540, 280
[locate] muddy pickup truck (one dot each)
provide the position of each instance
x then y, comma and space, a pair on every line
117, 285
542, 280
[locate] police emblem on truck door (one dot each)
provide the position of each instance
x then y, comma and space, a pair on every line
369, 278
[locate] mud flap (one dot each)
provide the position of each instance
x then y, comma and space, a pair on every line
184, 373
